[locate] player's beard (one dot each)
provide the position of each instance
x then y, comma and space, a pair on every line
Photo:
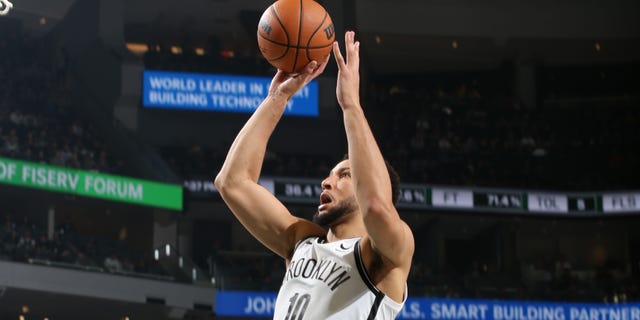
338, 211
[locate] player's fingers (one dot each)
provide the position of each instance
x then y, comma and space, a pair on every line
354, 54
311, 66
348, 37
320, 68
280, 75
278, 78
338, 55
351, 47
307, 74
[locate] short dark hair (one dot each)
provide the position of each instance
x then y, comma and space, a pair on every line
393, 177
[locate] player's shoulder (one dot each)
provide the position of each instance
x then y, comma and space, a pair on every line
402, 254
303, 230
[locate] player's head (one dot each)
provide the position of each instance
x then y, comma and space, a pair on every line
338, 199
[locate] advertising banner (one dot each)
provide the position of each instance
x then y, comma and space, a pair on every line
222, 93
90, 184
261, 304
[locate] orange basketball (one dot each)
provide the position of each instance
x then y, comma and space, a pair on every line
291, 33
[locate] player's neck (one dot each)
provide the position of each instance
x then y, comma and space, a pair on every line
351, 228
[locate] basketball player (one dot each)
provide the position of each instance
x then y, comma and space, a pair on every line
358, 268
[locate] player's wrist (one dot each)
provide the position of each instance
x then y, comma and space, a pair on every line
350, 103
278, 97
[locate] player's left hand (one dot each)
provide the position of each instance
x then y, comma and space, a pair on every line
348, 87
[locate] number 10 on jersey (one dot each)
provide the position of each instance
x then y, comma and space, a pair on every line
297, 306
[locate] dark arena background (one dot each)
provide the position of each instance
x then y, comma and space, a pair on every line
514, 125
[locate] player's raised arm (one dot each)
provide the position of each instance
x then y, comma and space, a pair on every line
265, 217
390, 237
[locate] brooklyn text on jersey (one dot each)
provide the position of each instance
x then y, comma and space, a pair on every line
327, 270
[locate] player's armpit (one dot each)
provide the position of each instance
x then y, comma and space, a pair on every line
265, 217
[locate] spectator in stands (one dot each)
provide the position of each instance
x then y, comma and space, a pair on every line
7, 225
83, 260
141, 265
11, 241
26, 245
112, 263
67, 255
67, 230
127, 266
43, 250
57, 245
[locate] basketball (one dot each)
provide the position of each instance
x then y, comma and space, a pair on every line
291, 33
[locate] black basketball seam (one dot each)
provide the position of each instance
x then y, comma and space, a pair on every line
290, 46
273, 41
295, 61
281, 44
314, 33
278, 58
286, 34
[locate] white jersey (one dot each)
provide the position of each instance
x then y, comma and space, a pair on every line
329, 281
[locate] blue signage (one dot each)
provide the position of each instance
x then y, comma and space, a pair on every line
459, 309
262, 304
213, 92
245, 303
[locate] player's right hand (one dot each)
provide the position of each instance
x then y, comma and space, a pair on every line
287, 84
